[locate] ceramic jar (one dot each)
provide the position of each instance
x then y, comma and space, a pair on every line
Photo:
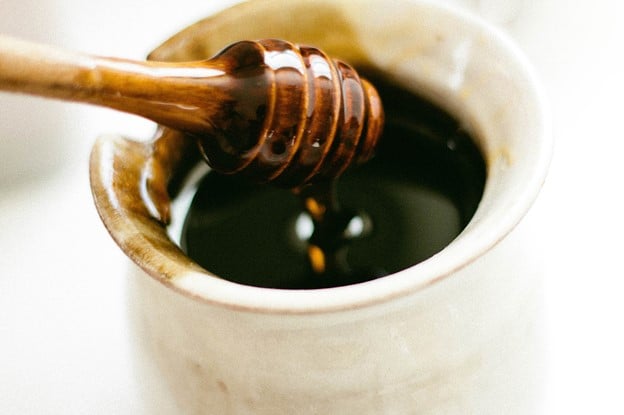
455, 334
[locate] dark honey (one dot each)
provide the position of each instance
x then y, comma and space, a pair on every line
406, 204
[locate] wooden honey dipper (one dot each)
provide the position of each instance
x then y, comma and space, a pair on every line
268, 109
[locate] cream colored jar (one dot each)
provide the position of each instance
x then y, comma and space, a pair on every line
455, 334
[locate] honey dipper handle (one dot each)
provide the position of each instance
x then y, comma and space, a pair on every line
170, 94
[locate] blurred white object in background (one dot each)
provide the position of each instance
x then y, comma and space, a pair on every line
499, 12
33, 137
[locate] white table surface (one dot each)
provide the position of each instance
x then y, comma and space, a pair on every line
64, 345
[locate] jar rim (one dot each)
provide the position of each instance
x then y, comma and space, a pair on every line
514, 177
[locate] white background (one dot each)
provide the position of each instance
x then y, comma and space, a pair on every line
63, 334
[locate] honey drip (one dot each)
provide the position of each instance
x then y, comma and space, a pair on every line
333, 229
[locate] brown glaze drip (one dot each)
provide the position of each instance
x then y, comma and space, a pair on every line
270, 110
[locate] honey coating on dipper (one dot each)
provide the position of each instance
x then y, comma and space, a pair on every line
292, 115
